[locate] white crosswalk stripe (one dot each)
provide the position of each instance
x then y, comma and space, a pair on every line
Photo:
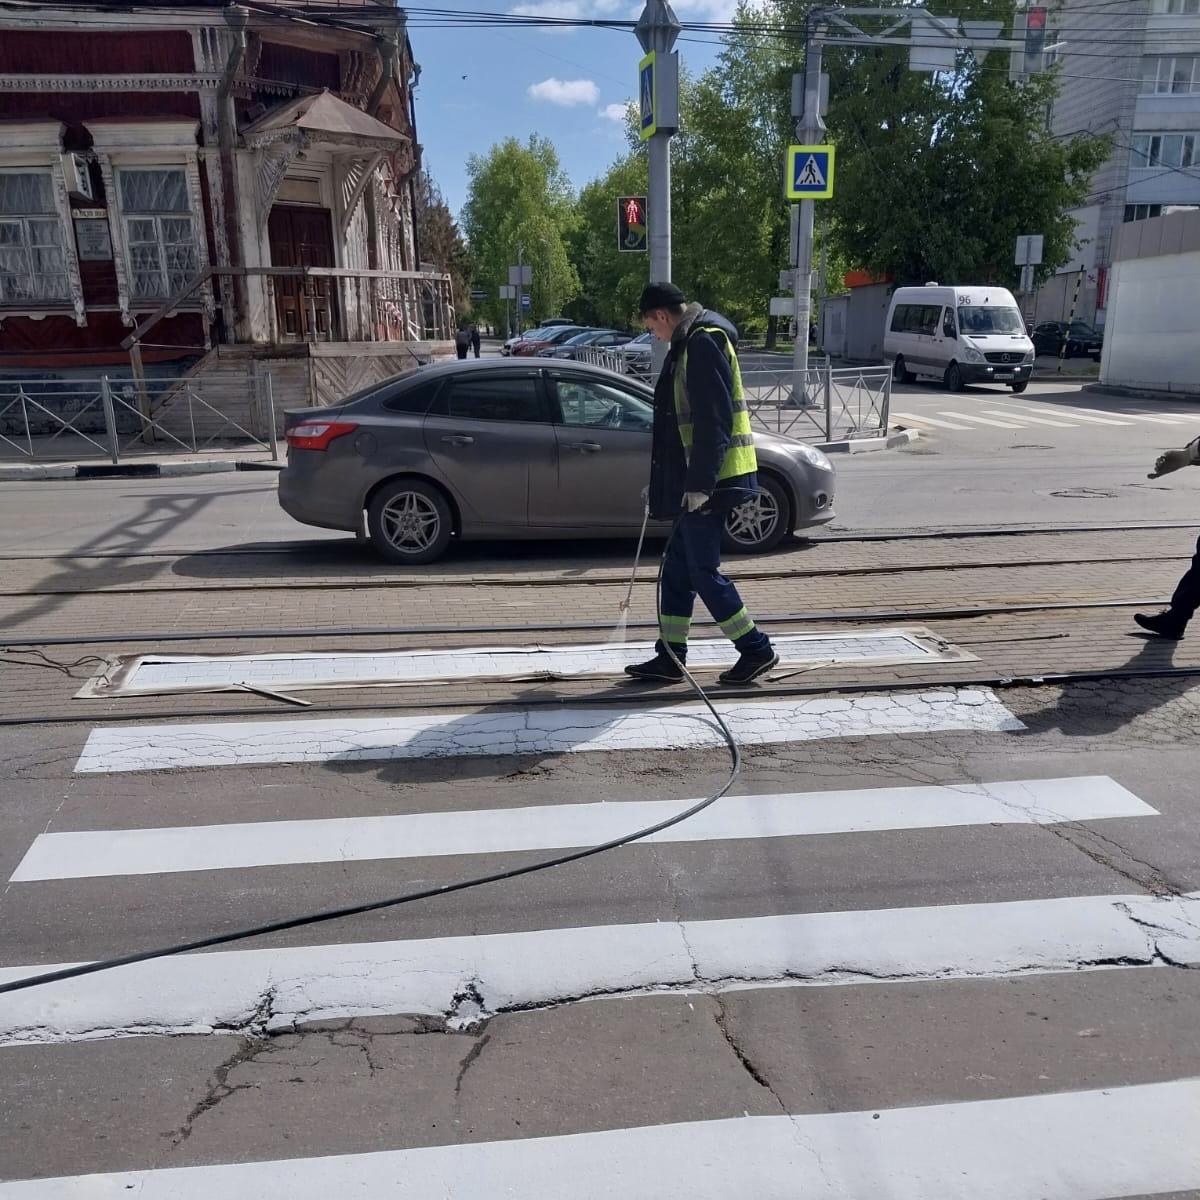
1090, 1145
1078, 1144
554, 827
935, 422
962, 416
997, 412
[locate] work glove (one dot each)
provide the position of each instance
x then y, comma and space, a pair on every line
1171, 460
692, 501
646, 494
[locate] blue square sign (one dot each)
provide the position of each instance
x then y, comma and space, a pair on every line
810, 172
648, 96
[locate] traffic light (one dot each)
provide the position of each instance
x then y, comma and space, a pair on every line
631, 224
1035, 38
1029, 27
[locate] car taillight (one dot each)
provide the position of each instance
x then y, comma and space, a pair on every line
316, 435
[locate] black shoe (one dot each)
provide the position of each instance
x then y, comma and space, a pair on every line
749, 667
660, 668
1163, 624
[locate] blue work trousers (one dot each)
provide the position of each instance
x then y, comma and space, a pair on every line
693, 568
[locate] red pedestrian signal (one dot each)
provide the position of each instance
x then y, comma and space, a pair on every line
632, 236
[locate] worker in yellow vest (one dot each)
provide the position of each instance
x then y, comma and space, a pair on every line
702, 464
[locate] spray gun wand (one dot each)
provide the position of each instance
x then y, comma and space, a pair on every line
637, 558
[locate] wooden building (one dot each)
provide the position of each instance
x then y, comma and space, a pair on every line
212, 190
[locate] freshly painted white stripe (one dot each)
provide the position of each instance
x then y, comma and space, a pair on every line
90, 854
535, 731
163, 673
982, 420
930, 421
1156, 419
232, 989
996, 412
1090, 1145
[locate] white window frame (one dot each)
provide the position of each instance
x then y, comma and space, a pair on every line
1158, 75
159, 145
35, 147
1157, 151
26, 244
158, 221
1175, 8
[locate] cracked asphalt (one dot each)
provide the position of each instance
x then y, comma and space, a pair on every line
862, 968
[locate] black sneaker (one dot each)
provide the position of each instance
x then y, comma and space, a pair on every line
749, 667
1163, 624
661, 668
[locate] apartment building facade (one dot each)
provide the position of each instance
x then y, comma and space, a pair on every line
1131, 71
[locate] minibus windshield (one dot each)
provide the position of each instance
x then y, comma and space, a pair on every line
985, 319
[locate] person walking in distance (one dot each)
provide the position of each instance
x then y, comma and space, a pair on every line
1172, 622
702, 464
475, 339
462, 342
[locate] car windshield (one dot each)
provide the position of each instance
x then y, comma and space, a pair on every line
558, 335
1083, 327
988, 319
581, 339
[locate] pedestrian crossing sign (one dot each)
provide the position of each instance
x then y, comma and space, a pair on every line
810, 172
648, 96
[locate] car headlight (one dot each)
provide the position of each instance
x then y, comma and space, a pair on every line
1030, 356
972, 355
813, 457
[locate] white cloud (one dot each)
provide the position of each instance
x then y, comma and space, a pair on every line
565, 91
705, 10
615, 112
574, 10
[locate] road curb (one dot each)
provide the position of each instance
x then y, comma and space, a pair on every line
902, 437
1112, 389
132, 470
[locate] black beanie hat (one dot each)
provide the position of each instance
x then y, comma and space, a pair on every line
660, 295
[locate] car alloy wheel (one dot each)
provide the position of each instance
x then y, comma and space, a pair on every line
757, 524
411, 523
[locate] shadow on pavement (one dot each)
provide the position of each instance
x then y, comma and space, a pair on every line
1095, 708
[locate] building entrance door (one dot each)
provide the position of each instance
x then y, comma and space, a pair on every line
305, 309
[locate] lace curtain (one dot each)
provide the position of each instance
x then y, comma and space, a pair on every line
163, 257
33, 261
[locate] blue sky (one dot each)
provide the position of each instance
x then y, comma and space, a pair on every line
568, 85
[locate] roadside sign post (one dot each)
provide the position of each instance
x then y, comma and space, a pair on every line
1030, 247
933, 43
1062, 349
658, 104
518, 277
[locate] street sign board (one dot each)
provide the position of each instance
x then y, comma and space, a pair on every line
1029, 249
478, 296
810, 172
783, 306
517, 276
526, 302
631, 224
507, 291
648, 96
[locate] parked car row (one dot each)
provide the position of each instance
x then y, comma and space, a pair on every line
563, 341
1078, 338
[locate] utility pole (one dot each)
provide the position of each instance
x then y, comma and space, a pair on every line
658, 93
810, 131
520, 284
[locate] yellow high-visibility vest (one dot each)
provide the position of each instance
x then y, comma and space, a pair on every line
740, 458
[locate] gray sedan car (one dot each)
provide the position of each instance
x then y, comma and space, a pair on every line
512, 448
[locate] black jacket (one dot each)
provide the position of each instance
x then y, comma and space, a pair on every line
709, 386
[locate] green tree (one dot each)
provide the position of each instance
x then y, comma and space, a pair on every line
939, 174
439, 241
520, 203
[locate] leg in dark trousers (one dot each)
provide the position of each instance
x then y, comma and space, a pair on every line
693, 567
1186, 599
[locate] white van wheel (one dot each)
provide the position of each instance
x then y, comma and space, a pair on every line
900, 373
954, 379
